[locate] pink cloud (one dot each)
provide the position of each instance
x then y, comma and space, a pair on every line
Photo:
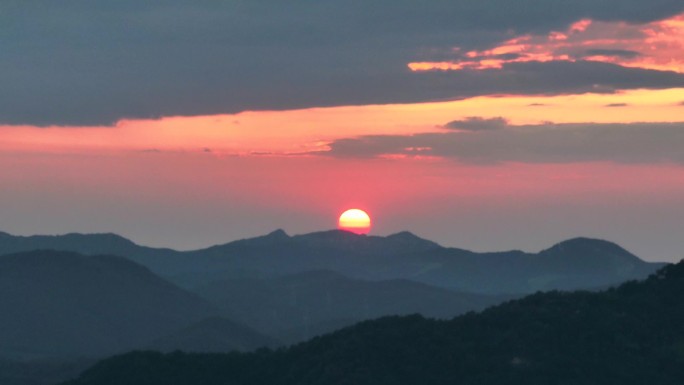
658, 45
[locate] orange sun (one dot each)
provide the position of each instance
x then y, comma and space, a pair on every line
355, 220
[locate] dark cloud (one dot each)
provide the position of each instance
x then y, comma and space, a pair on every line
545, 143
613, 105
627, 54
477, 124
94, 62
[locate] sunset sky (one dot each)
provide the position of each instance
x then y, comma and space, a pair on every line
485, 125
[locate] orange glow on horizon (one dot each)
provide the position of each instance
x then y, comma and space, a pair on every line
298, 133
355, 220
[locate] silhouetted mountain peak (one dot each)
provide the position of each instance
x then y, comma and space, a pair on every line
66, 262
589, 245
279, 234
99, 243
268, 240
409, 239
105, 238
591, 256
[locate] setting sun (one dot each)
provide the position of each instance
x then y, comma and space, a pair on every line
355, 220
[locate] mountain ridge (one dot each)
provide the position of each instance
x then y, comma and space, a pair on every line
570, 264
275, 235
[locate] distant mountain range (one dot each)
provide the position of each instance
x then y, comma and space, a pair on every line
574, 264
631, 335
62, 304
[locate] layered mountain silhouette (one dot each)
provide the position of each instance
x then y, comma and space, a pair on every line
64, 304
633, 334
92, 244
573, 264
75, 301
299, 306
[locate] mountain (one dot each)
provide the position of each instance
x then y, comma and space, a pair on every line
277, 253
63, 304
573, 264
213, 334
630, 335
164, 261
299, 306
580, 263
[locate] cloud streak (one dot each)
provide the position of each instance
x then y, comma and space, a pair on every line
544, 143
477, 124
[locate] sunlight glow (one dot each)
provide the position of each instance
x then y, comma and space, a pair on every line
299, 133
657, 45
355, 220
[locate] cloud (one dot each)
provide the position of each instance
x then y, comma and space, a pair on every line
544, 143
621, 53
477, 124
655, 45
612, 105
95, 62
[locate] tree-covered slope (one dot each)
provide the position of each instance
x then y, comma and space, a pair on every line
633, 334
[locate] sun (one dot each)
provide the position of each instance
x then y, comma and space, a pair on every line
355, 220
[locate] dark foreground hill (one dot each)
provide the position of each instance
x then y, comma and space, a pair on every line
579, 263
62, 304
630, 335
297, 307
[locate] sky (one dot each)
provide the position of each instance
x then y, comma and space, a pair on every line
489, 125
